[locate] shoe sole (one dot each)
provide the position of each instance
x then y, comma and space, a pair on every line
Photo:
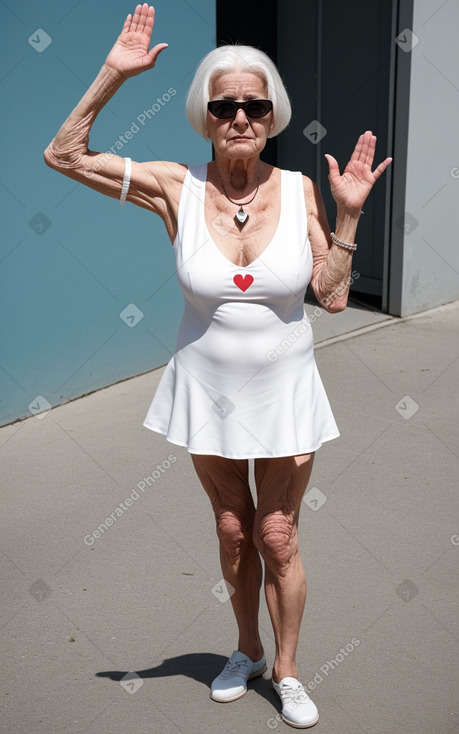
235, 698
299, 726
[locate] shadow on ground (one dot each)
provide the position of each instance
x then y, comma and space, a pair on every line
202, 667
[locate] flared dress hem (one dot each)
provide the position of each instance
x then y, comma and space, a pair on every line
257, 455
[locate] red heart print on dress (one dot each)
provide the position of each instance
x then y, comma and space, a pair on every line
243, 281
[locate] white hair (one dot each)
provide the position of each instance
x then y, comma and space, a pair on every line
227, 59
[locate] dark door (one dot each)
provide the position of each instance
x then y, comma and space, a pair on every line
336, 60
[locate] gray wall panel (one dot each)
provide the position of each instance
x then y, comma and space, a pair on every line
430, 271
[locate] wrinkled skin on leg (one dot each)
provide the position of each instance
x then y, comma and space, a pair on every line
281, 484
226, 483
271, 530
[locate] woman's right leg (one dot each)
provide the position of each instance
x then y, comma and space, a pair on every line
226, 483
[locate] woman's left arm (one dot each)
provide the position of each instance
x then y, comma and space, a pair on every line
332, 266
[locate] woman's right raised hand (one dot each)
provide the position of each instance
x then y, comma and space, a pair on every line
130, 54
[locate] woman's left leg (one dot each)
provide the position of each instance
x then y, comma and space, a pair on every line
281, 483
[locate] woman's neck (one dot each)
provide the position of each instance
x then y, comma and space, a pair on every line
239, 174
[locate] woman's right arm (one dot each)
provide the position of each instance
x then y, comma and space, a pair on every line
154, 185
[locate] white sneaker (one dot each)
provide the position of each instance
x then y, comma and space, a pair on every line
231, 684
297, 708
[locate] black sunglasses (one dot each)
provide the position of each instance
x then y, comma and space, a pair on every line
226, 109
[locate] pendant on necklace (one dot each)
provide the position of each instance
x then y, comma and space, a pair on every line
241, 216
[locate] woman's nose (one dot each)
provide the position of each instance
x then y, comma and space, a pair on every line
241, 117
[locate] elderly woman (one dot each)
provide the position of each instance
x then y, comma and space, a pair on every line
248, 238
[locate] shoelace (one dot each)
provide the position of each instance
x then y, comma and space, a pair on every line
295, 695
231, 669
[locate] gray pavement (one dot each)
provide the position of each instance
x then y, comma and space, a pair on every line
82, 608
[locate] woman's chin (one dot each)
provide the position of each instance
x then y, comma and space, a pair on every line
239, 149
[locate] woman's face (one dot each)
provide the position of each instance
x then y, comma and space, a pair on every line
241, 137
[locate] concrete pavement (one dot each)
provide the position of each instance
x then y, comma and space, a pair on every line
113, 614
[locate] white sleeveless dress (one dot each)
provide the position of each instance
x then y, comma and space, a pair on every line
243, 382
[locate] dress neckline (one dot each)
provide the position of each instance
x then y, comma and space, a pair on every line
276, 232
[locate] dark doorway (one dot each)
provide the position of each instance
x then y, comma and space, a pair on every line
336, 60
251, 24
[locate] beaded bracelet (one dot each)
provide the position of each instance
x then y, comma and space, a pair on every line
346, 245
126, 180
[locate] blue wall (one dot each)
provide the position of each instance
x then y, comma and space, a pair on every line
71, 259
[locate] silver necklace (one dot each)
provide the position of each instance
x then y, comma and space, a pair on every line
241, 216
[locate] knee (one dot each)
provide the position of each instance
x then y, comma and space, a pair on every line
276, 539
234, 533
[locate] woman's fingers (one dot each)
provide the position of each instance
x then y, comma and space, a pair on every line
333, 167
135, 18
156, 50
140, 14
357, 150
146, 15
141, 21
381, 168
127, 24
364, 153
150, 19
364, 150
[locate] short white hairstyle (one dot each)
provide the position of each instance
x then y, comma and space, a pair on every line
228, 59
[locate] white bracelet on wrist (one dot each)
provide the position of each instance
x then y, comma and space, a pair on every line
126, 180
346, 245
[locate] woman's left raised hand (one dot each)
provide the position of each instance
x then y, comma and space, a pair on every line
350, 189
